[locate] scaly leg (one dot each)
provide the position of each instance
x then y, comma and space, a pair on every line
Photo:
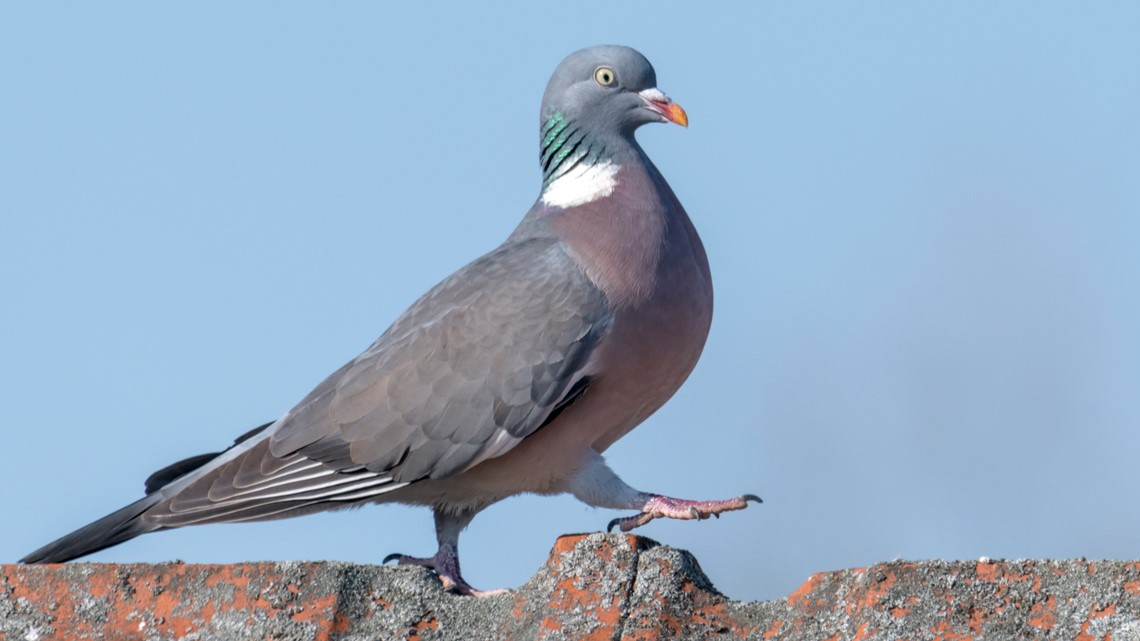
655, 506
445, 563
598, 486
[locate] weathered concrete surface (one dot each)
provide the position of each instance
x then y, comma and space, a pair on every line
593, 587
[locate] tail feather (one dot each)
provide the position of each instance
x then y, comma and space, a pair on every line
121, 525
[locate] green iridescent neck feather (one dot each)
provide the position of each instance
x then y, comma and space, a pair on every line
565, 146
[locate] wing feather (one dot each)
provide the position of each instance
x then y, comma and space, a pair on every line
476, 365
488, 352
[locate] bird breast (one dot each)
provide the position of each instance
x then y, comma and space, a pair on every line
639, 246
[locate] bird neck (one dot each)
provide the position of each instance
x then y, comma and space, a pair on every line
577, 166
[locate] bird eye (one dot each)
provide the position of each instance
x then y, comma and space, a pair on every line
605, 76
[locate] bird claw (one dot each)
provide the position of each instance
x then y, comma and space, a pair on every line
445, 564
470, 591
664, 507
403, 559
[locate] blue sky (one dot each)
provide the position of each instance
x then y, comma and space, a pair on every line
922, 220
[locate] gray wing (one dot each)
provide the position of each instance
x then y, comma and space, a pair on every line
472, 368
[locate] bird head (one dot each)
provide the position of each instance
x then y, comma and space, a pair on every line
608, 89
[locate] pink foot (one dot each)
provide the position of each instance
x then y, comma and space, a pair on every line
445, 564
658, 506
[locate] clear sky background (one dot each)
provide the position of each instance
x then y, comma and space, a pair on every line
922, 218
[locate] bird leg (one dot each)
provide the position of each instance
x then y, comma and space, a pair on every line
445, 563
597, 485
656, 506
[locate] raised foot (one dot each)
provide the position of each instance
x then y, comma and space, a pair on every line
445, 564
658, 506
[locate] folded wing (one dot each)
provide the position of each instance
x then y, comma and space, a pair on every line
476, 365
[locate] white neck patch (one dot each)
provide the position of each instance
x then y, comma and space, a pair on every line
582, 184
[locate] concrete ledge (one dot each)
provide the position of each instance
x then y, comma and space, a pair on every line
593, 587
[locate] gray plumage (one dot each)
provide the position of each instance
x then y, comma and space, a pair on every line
512, 375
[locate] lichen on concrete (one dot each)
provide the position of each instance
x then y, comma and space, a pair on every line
593, 587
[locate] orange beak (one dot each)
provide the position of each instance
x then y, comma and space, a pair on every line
675, 113
668, 109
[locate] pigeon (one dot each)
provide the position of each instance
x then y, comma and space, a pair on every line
513, 375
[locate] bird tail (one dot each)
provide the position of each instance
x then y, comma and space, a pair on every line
121, 525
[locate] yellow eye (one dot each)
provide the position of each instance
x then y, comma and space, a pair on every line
605, 76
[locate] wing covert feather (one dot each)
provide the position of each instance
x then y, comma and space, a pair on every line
473, 367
